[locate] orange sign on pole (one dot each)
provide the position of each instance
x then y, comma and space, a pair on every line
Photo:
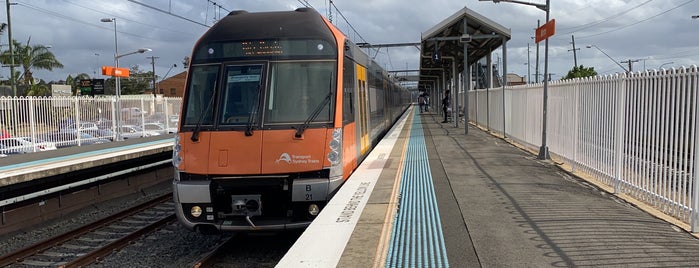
546, 30
112, 71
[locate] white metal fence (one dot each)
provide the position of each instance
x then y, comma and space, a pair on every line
636, 132
70, 121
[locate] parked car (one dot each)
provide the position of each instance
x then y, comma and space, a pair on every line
80, 127
103, 133
132, 112
158, 127
68, 139
174, 119
21, 145
133, 131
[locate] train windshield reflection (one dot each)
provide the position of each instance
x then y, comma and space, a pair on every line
297, 88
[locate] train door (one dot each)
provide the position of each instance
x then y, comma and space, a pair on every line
363, 110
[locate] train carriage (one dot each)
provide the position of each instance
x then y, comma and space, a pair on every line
279, 109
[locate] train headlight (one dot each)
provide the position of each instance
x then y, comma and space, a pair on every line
313, 209
195, 211
335, 147
176, 159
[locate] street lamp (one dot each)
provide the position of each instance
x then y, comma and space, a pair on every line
617, 63
117, 79
661, 65
543, 150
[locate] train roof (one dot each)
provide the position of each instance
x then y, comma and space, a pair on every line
302, 23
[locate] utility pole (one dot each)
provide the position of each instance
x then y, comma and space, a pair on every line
330, 11
12, 53
152, 62
575, 57
630, 62
536, 76
529, 67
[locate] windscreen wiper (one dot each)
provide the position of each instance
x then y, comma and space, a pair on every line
316, 112
253, 113
197, 129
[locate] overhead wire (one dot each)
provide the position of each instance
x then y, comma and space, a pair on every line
169, 13
617, 15
125, 19
636, 23
56, 14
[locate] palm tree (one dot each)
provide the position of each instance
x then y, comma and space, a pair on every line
28, 57
74, 82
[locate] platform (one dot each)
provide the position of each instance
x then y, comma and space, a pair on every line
498, 205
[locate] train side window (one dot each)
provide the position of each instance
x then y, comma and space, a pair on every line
347, 88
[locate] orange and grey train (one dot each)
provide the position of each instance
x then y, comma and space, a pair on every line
279, 109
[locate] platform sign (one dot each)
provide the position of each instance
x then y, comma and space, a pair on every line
97, 87
546, 30
113, 71
85, 87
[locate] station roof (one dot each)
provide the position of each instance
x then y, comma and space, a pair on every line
486, 36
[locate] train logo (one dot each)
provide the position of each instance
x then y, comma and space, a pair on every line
284, 157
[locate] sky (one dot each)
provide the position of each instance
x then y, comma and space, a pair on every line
650, 33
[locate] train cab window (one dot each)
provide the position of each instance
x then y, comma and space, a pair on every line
200, 95
240, 95
297, 89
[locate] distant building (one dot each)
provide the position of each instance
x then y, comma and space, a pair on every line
173, 86
514, 79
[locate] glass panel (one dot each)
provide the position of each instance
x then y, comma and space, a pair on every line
200, 95
240, 96
297, 89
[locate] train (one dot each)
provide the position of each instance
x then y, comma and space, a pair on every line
279, 109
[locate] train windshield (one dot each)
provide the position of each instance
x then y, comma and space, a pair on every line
241, 93
297, 89
200, 96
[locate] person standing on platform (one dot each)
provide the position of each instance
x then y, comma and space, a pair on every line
421, 101
445, 106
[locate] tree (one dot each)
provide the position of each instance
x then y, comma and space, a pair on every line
40, 89
74, 82
28, 57
138, 82
581, 71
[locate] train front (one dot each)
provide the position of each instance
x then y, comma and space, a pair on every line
259, 147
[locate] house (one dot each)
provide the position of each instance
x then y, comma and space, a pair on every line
173, 86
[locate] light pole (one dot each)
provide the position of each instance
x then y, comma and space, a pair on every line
117, 80
543, 150
600, 50
98, 65
661, 65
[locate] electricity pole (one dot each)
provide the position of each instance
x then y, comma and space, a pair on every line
152, 62
536, 76
575, 57
12, 53
630, 62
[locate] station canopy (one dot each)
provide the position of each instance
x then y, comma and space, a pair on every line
465, 27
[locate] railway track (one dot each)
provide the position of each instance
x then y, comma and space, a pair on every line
94, 241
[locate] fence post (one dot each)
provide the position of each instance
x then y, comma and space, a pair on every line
694, 219
32, 123
576, 115
620, 108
